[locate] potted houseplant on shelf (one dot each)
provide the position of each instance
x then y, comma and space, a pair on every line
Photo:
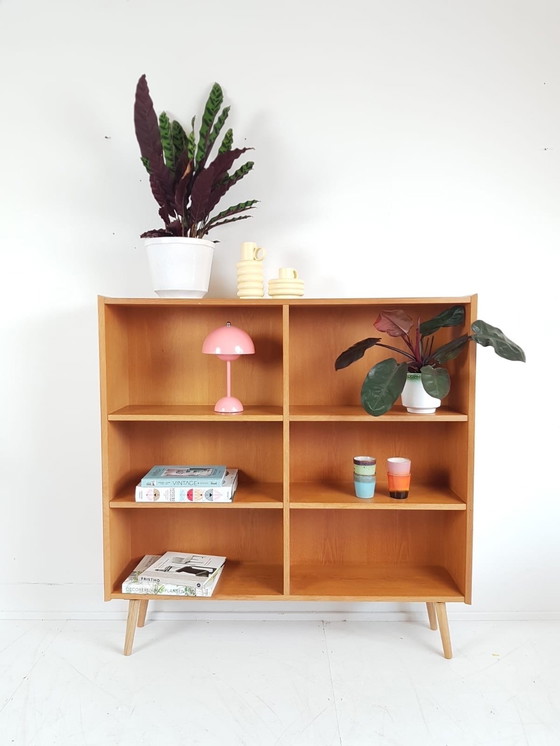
187, 185
420, 378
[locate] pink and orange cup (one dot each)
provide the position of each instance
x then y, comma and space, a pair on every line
398, 476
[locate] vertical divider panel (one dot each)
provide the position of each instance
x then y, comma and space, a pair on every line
286, 445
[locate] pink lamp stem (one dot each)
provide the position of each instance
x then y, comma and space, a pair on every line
228, 377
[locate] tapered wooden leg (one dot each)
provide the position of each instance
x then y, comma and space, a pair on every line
142, 613
432, 615
441, 613
131, 622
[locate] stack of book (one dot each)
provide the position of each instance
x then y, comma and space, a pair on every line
175, 574
183, 484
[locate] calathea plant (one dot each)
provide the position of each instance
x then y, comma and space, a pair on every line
186, 184
384, 382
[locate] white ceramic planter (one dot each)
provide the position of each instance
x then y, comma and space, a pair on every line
415, 397
180, 267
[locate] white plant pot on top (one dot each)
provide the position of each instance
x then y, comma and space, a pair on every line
180, 267
415, 397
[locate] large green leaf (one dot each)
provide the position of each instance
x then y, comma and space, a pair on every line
382, 386
450, 317
449, 351
355, 352
436, 381
490, 336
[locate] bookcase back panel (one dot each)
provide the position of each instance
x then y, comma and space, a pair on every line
231, 443
343, 536
324, 451
157, 351
245, 536
313, 379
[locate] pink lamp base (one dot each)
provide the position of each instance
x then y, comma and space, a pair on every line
228, 405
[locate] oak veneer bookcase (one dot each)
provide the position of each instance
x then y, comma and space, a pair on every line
294, 531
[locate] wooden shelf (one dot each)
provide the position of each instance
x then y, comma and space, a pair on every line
261, 495
328, 413
191, 413
373, 582
240, 581
340, 496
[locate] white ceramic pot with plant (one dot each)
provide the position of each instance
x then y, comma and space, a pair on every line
415, 397
386, 381
187, 187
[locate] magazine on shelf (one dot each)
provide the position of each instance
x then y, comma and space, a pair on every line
222, 494
133, 584
184, 476
183, 568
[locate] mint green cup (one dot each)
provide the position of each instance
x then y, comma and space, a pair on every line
364, 466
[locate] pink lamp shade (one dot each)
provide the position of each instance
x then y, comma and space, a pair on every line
228, 342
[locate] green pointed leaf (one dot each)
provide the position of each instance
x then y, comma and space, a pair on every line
382, 386
488, 335
449, 351
215, 99
355, 352
204, 230
227, 142
179, 138
166, 141
436, 381
217, 129
191, 144
453, 316
233, 210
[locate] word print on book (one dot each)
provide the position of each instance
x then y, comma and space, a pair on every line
183, 569
184, 476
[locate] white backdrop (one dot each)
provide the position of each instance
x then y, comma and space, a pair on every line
401, 148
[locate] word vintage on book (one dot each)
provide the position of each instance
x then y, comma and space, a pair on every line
133, 584
184, 476
183, 568
222, 494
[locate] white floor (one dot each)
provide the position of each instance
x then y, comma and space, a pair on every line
279, 683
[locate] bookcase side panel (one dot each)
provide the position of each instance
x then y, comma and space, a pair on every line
114, 358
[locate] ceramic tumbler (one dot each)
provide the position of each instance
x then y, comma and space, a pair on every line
399, 485
364, 476
398, 465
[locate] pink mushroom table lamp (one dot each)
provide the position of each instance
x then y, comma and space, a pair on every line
228, 342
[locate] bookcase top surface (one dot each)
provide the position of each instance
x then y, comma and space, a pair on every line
285, 301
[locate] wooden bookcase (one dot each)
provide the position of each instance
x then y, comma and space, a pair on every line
294, 531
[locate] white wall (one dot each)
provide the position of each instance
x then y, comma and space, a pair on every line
401, 148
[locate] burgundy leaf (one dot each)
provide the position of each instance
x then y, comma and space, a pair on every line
200, 194
394, 323
146, 126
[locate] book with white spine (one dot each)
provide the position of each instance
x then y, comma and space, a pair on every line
133, 583
205, 494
